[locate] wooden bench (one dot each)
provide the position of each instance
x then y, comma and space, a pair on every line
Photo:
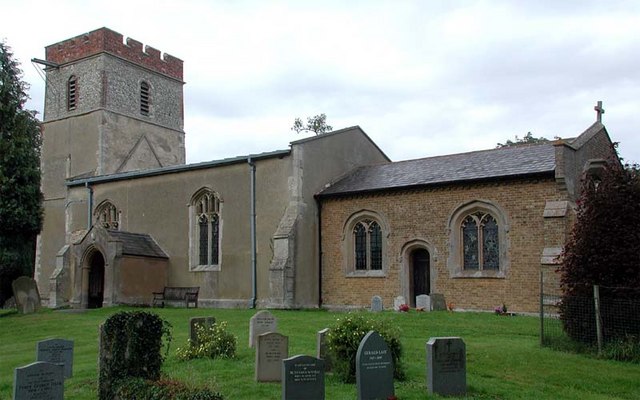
172, 293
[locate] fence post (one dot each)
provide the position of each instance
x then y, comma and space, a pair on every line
596, 298
541, 307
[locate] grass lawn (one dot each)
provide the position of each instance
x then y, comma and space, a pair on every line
504, 359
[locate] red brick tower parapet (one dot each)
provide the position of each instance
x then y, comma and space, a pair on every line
106, 40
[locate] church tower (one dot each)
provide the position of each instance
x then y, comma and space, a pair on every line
111, 106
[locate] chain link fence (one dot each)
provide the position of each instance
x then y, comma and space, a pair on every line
593, 320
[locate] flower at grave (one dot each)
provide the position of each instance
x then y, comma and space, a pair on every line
403, 308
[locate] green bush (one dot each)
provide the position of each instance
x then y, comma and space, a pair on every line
213, 341
623, 349
130, 346
138, 388
344, 338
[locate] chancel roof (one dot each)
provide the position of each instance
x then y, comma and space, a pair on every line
505, 162
138, 244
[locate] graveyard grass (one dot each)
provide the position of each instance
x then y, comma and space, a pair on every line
504, 358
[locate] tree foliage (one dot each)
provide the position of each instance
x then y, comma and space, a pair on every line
20, 196
604, 250
527, 139
316, 124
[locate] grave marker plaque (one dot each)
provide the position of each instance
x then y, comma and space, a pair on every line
207, 322
271, 349
446, 366
39, 381
322, 351
376, 303
303, 378
374, 368
57, 351
423, 302
261, 322
437, 302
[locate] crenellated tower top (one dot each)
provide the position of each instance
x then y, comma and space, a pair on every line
106, 40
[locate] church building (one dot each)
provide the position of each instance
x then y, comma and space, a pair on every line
329, 221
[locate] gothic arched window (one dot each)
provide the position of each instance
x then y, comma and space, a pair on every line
480, 242
107, 215
364, 244
205, 237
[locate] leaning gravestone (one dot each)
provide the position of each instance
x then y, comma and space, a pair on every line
206, 322
261, 322
39, 381
446, 366
423, 302
25, 292
398, 301
374, 368
376, 303
303, 378
271, 349
437, 302
321, 348
57, 351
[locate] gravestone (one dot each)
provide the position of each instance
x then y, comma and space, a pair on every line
25, 292
398, 301
261, 322
437, 302
271, 349
322, 350
376, 303
303, 378
374, 368
56, 351
39, 381
207, 322
423, 302
446, 366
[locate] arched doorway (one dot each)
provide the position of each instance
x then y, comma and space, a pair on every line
420, 277
95, 295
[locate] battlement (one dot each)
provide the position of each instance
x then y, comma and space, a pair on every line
106, 40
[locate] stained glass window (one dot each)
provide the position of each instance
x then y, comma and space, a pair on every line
107, 215
490, 247
215, 236
207, 208
375, 243
367, 245
360, 238
470, 243
480, 243
204, 239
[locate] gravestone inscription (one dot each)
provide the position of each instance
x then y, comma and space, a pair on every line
303, 378
194, 322
261, 322
271, 349
423, 302
322, 350
446, 366
437, 302
376, 303
39, 381
26, 295
374, 368
56, 351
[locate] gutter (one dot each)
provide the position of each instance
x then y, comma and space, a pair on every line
252, 224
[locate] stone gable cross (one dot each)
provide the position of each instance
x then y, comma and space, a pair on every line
599, 111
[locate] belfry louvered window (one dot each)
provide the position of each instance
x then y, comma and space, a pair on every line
72, 93
145, 98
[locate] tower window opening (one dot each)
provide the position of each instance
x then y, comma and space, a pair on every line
145, 97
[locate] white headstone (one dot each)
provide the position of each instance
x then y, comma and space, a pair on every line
271, 349
398, 301
322, 348
261, 322
423, 302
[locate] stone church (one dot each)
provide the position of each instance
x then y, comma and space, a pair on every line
329, 221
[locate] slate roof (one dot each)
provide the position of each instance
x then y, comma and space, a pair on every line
138, 244
514, 161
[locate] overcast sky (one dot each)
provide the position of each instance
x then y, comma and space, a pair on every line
422, 78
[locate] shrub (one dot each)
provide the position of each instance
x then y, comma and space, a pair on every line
138, 388
345, 337
213, 341
130, 346
623, 349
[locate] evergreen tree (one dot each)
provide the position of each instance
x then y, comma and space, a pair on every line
20, 196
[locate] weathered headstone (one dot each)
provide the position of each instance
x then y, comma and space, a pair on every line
206, 322
423, 302
376, 303
437, 302
398, 301
261, 322
446, 366
56, 351
39, 381
303, 378
322, 351
271, 349
374, 368
25, 292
